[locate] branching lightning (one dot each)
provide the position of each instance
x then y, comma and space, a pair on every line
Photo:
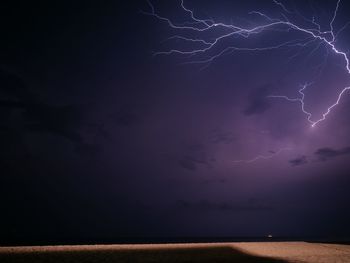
302, 103
262, 157
312, 35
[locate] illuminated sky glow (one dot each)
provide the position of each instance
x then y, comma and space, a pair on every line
201, 118
313, 34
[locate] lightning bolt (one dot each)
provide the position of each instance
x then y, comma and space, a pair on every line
203, 46
262, 157
302, 103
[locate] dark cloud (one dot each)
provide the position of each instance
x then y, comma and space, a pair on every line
258, 103
35, 116
195, 147
100, 130
23, 112
207, 205
192, 162
12, 86
187, 163
128, 115
217, 180
323, 154
195, 155
299, 161
126, 118
87, 149
221, 137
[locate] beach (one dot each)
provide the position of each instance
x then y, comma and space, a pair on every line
262, 252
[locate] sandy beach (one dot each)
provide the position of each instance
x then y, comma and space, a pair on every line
202, 252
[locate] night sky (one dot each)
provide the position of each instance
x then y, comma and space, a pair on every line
100, 138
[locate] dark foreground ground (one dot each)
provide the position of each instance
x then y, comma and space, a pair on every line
253, 252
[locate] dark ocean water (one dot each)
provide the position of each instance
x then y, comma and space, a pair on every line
162, 240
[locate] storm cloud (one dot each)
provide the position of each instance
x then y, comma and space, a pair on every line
326, 153
299, 161
258, 102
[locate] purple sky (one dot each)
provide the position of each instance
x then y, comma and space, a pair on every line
100, 139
